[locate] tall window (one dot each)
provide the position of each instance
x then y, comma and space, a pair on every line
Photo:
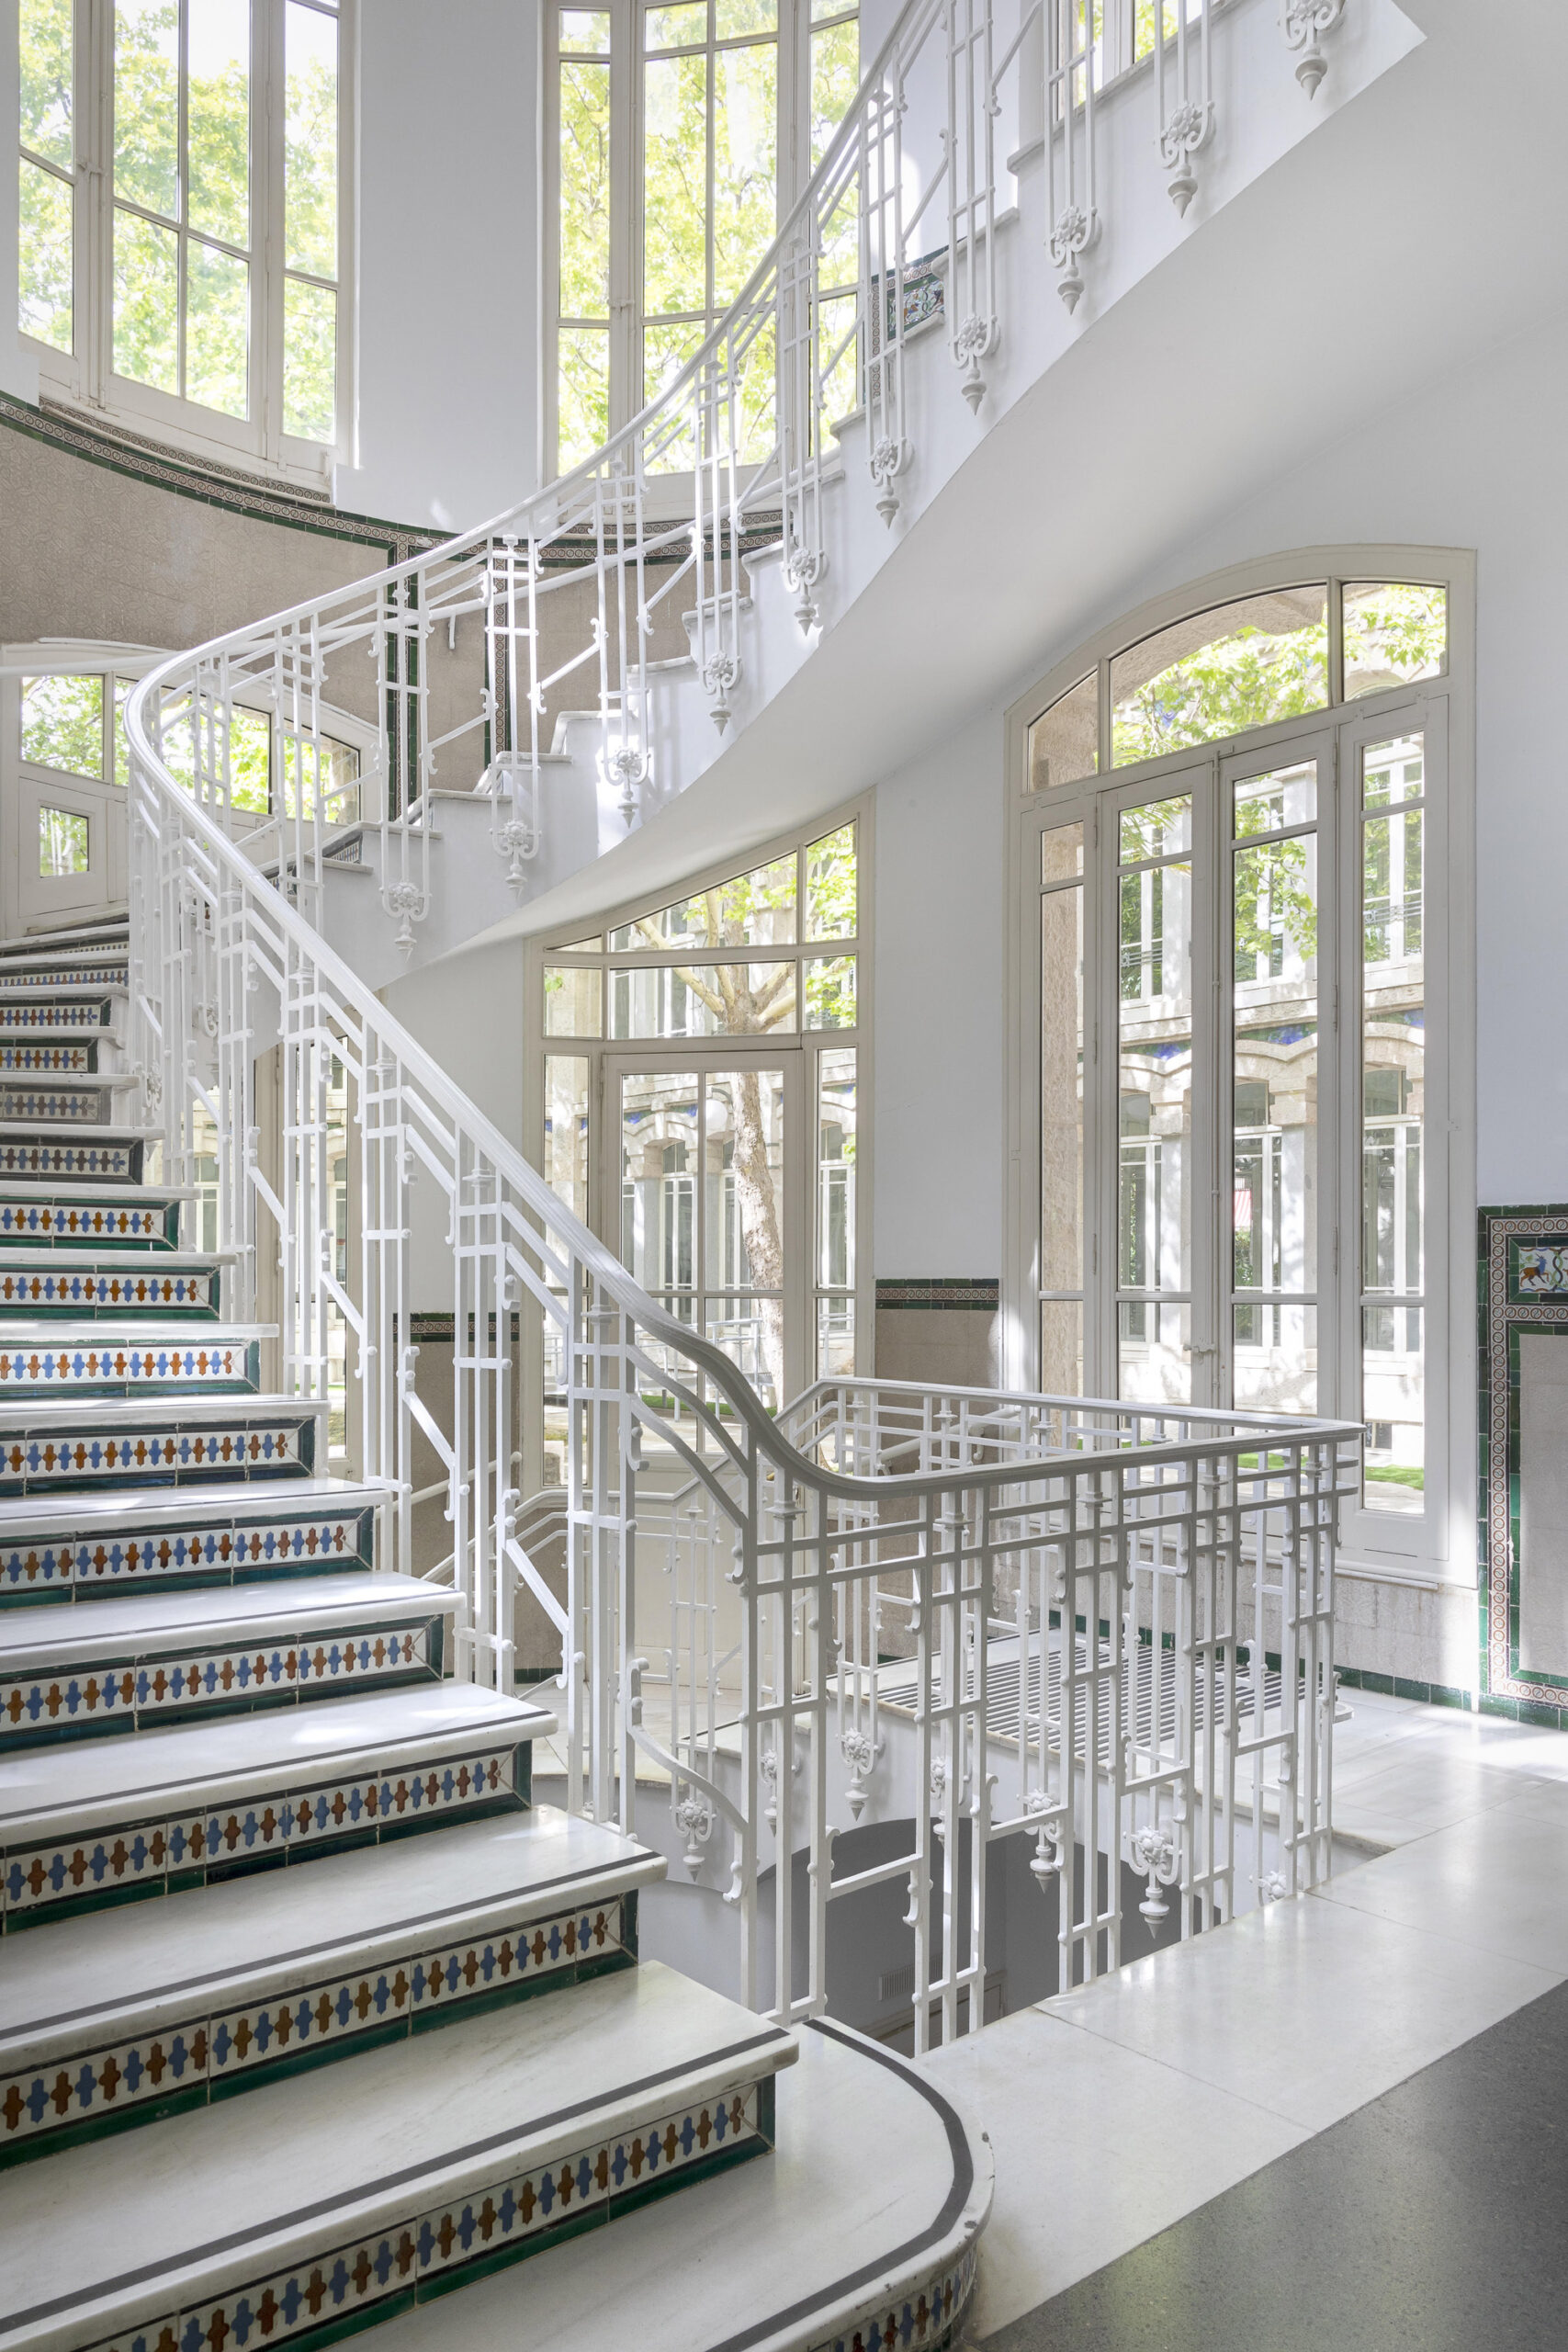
1236, 828
702, 1066
681, 133
181, 216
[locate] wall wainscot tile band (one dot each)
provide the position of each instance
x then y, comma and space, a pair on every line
1522, 1287
943, 1293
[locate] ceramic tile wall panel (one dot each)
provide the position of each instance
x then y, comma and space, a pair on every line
1522, 1296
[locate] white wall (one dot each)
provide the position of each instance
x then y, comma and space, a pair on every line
448, 429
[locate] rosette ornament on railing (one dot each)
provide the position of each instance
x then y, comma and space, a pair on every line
469, 669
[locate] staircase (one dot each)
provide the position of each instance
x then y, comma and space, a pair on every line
309, 2016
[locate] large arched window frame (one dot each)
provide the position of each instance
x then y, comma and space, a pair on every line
1241, 992
185, 181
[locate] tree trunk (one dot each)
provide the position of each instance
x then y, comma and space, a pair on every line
758, 1204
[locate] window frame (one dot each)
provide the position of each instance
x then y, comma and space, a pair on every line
1420, 1549
795, 27
800, 1048
84, 381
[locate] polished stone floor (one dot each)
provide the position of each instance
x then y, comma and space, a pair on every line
1161, 2125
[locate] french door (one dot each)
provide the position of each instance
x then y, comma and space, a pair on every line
704, 1192
1243, 1132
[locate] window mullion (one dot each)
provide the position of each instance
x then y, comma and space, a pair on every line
625, 211
268, 227
94, 217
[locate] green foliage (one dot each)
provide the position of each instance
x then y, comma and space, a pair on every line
1249, 678
62, 724
44, 55
1393, 634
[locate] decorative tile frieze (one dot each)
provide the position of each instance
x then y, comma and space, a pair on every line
114, 1368
100, 972
42, 2107
113, 1694
60, 1224
77, 1290
949, 1294
926, 2316
1522, 1290
40, 1156
89, 1457
319, 2298
142, 1857
215, 1552
54, 1061
57, 1012
87, 1106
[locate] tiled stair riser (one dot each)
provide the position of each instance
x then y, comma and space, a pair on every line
32, 1010
127, 1861
115, 1697
922, 2321
114, 1368
430, 2252
62, 1462
103, 1291
48, 1059
87, 1106
217, 1551
47, 1159
91, 2092
107, 1223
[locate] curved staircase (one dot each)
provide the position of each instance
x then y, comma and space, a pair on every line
276, 1904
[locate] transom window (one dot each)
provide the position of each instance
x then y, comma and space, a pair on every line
183, 198
722, 107
1235, 825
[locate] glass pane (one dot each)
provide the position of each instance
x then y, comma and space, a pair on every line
585, 192
665, 351
1274, 1092
566, 1130
218, 135
743, 1199
838, 354
679, 27
1155, 1152
146, 302
755, 909
62, 724
829, 992
1061, 1347
745, 163
734, 19
218, 338
249, 744
583, 394
830, 886
836, 1338
62, 844
1393, 1116
1064, 742
310, 136
309, 360
1061, 1070
660, 1158
147, 106
674, 183
585, 31
123, 688
702, 1000
45, 306
835, 77
836, 1160
571, 1001
1392, 633
47, 80
324, 774
1214, 674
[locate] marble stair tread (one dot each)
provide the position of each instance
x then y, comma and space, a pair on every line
130, 1625
103, 1978
78, 1786
104, 2238
131, 1507
88, 1331
42, 1416
74, 1259
877, 2188
43, 1190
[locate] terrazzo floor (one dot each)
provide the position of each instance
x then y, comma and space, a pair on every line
1198, 2148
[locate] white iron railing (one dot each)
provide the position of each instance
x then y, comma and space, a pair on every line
850, 1587
466, 660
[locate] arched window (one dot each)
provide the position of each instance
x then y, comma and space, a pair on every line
679, 135
184, 181
1237, 1061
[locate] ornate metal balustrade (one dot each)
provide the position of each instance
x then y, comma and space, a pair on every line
469, 660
